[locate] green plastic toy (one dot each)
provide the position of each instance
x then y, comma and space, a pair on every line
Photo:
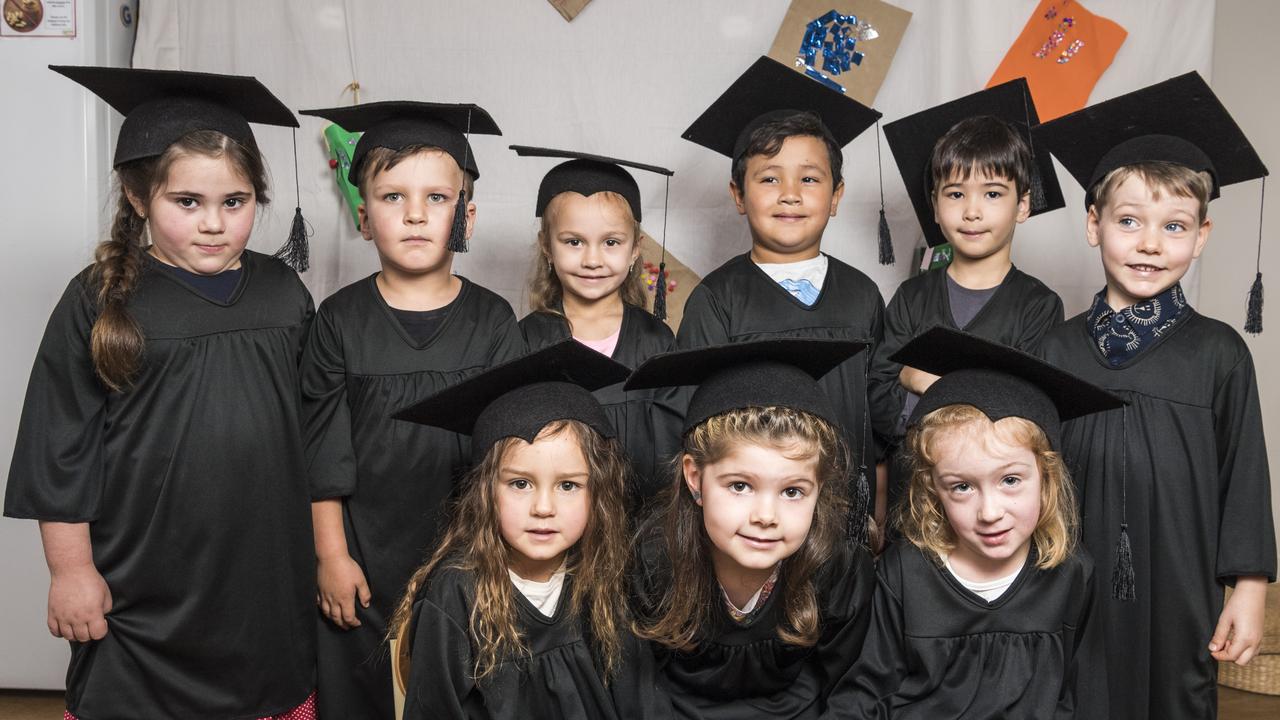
341, 145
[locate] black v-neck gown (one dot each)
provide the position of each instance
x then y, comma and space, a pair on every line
194, 487
393, 476
937, 651
647, 421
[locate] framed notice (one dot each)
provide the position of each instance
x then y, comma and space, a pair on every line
39, 18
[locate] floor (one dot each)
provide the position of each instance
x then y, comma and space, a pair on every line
1232, 705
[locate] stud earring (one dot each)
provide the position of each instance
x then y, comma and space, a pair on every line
697, 496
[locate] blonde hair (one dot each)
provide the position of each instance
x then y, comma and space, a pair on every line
922, 518
685, 610
473, 544
1159, 177
546, 293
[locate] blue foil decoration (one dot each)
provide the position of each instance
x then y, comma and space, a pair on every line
836, 37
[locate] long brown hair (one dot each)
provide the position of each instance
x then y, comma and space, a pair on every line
922, 519
685, 608
117, 340
546, 293
473, 544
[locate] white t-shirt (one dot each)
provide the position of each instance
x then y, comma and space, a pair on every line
543, 595
802, 279
991, 590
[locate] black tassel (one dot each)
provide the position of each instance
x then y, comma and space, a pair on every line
458, 233
1038, 201
861, 509
296, 252
1253, 317
1122, 584
886, 242
660, 293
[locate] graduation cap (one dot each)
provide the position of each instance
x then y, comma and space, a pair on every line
1177, 121
520, 397
588, 174
1000, 381
397, 124
913, 140
162, 106
770, 91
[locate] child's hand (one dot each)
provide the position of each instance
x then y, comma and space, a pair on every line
916, 381
1239, 631
79, 600
341, 581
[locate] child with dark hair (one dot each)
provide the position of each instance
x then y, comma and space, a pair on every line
159, 442
1174, 488
787, 180
378, 484
972, 178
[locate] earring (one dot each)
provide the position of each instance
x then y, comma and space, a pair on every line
697, 496
146, 233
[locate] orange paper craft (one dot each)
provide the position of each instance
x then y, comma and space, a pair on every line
1062, 52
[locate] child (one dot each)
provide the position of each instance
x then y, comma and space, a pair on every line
377, 345
784, 134
516, 614
749, 586
1174, 490
586, 285
159, 442
988, 611
972, 178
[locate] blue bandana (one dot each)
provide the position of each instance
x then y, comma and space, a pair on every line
1122, 334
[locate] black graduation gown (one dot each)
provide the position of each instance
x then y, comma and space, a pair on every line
558, 679
1186, 465
361, 366
739, 302
743, 670
647, 421
195, 491
936, 650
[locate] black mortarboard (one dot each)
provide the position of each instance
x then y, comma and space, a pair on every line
587, 174
768, 91
518, 398
781, 372
162, 106
1000, 381
397, 124
913, 139
1177, 121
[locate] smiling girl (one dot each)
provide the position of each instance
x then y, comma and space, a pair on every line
747, 584
587, 285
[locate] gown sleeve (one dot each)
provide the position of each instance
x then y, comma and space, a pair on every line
635, 688
843, 641
508, 341
1084, 687
331, 457
884, 419
57, 472
440, 667
881, 663
1039, 317
888, 397
703, 323
1246, 531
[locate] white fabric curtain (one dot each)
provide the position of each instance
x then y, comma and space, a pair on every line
624, 79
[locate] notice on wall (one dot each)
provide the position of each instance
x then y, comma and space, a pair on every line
39, 18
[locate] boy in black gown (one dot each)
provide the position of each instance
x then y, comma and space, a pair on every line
972, 178
1174, 489
784, 134
377, 345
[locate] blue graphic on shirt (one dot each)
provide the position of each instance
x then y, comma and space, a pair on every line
802, 290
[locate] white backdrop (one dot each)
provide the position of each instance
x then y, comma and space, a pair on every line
624, 79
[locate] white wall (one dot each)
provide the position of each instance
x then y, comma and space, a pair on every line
1245, 80
54, 186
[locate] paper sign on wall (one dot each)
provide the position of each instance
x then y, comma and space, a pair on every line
39, 18
846, 45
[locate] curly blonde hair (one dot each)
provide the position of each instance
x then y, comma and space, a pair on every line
921, 517
546, 293
685, 609
473, 544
